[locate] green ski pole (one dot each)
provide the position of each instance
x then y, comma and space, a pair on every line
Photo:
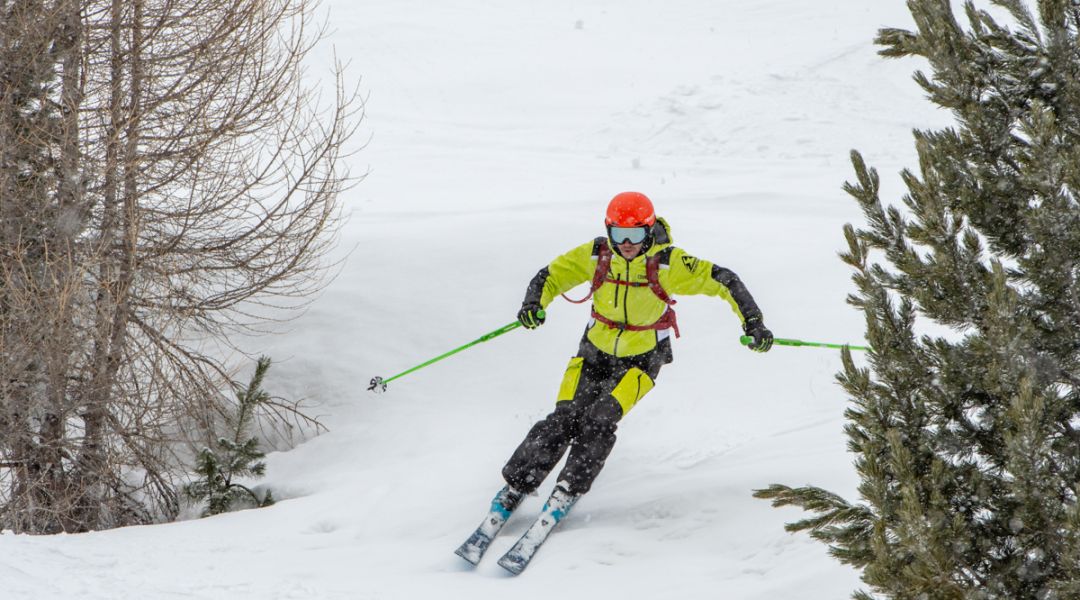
378, 384
745, 340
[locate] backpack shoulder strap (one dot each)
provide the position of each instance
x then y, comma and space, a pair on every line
603, 263
602, 252
653, 264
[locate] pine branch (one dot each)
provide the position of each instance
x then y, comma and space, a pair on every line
837, 522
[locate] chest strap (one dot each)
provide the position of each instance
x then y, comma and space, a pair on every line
667, 320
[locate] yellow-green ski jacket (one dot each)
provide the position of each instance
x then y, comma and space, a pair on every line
679, 274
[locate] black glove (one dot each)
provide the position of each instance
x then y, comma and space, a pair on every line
531, 315
763, 338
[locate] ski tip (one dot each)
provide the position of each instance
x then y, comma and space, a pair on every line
469, 557
512, 566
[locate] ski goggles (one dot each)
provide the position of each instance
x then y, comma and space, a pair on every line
634, 235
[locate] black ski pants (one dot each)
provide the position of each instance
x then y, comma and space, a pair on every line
585, 418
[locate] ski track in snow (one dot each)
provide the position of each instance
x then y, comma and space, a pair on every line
497, 133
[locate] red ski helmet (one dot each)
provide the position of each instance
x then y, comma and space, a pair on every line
630, 209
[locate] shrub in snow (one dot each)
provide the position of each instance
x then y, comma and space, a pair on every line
219, 469
968, 445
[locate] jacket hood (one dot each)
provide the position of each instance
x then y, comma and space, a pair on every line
661, 233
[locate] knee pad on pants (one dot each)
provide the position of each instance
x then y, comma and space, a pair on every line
569, 385
632, 388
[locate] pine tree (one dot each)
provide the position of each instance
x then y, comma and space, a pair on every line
967, 445
234, 457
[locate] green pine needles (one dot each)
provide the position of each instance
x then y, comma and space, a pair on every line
235, 457
968, 446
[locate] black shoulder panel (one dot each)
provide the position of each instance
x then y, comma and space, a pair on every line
665, 255
726, 277
536, 287
739, 293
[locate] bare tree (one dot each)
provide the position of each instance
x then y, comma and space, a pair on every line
190, 192
41, 221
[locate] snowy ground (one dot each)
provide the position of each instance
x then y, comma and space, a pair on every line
499, 130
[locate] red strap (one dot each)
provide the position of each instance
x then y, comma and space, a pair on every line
582, 301
652, 273
603, 265
666, 321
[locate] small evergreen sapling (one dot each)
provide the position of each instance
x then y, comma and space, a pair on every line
232, 458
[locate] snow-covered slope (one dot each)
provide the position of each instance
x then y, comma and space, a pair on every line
499, 130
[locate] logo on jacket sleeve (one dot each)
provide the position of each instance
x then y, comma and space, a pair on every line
690, 263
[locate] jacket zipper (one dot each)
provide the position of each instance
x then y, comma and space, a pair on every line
626, 310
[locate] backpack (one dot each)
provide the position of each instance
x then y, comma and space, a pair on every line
652, 276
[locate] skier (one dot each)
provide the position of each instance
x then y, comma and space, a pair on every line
634, 270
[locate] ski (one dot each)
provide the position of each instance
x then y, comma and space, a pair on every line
502, 506
518, 557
